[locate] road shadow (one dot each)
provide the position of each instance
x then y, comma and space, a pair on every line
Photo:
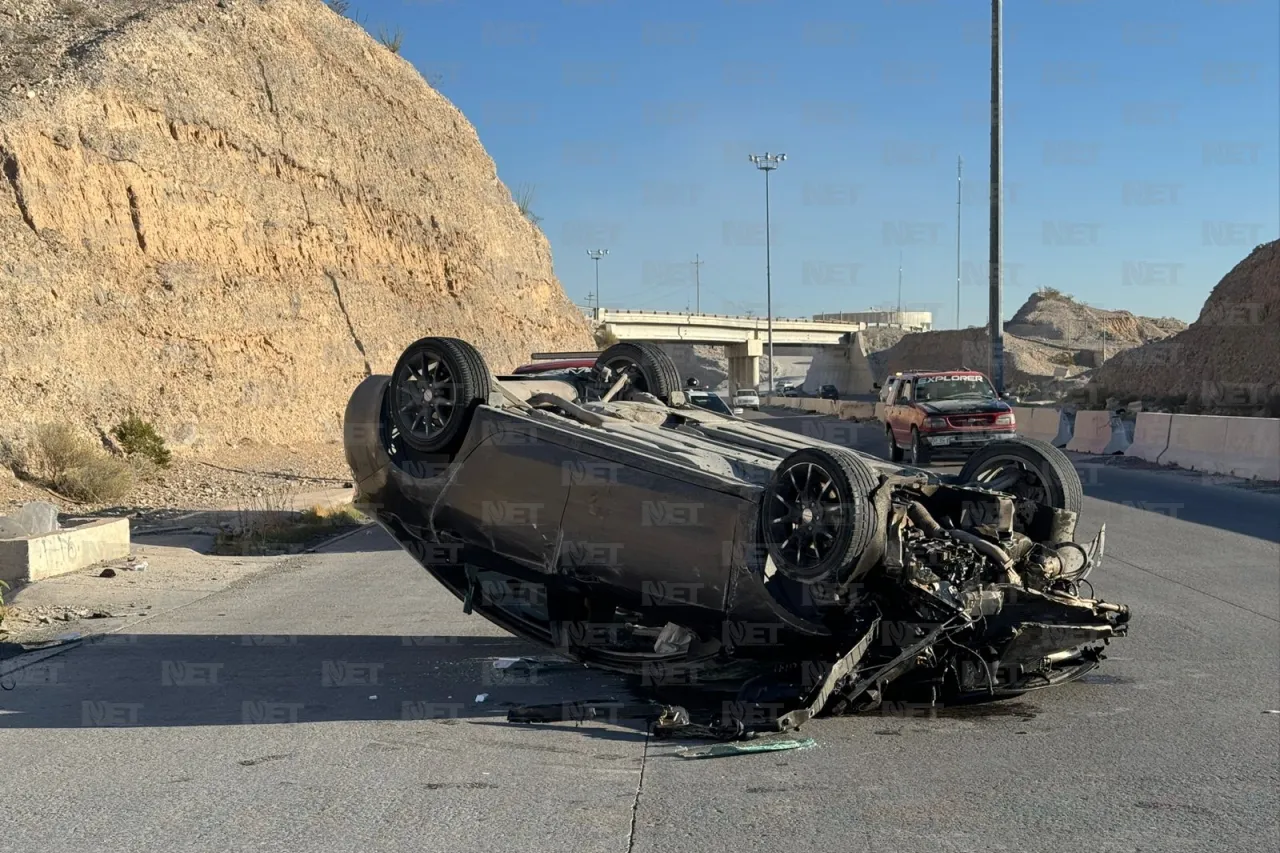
163, 680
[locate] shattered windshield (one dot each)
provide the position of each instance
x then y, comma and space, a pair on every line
954, 387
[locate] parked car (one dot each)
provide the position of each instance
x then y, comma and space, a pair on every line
829, 392
747, 398
942, 412
604, 517
793, 391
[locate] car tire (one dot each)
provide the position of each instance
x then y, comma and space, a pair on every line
816, 516
896, 453
920, 455
651, 369
1055, 482
436, 421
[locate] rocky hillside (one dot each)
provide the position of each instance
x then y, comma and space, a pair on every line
1050, 315
223, 214
1227, 360
1051, 344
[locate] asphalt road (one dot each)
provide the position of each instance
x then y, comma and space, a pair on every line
331, 705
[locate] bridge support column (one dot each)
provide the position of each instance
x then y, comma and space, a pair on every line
744, 364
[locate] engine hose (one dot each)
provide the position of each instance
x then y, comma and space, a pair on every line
992, 550
921, 518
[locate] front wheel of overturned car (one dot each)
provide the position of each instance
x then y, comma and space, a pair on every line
649, 368
816, 517
436, 385
1031, 471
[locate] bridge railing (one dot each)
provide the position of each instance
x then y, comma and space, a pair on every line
607, 312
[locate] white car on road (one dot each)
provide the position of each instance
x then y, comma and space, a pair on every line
746, 398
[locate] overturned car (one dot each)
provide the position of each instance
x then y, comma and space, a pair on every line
598, 513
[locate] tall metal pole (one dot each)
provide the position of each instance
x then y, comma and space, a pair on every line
996, 249
899, 287
767, 163
959, 186
596, 255
697, 282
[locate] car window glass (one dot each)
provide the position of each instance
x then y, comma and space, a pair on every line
904, 393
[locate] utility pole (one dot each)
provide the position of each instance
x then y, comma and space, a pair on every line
959, 185
767, 163
899, 287
697, 282
995, 258
596, 255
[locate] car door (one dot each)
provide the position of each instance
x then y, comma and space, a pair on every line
899, 412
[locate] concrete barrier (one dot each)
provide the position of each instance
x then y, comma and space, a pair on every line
1196, 442
1121, 435
1253, 448
1150, 436
1036, 422
1066, 428
1091, 432
32, 558
856, 411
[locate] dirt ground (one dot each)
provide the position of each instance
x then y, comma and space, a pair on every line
244, 477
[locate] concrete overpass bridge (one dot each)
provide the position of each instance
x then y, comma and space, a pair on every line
744, 339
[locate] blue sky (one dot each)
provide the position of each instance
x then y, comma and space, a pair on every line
1140, 154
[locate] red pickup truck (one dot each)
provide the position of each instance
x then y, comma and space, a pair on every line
936, 412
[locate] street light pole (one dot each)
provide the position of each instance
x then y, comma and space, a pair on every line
959, 186
899, 318
596, 255
995, 251
767, 163
697, 281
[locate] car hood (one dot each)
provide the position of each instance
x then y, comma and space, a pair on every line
957, 407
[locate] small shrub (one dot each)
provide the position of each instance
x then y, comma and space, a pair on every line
339, 7
60, 459
99, 480
139, 438
524, 201
391, 40
605, 338
58, 450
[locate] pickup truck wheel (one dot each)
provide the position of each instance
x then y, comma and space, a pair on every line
650, 368
920, 454
434, 389
895, 452
1032, 471
816, 516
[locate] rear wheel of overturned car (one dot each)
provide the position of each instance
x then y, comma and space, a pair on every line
650, 369
1031, 471
816, 515
434, 390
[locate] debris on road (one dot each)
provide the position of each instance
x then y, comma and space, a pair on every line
719, 750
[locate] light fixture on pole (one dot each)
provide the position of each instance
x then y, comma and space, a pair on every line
767, 163
596, 255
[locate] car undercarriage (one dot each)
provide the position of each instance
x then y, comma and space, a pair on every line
756, 576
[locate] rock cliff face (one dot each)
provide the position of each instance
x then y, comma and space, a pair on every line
1227, 360
224, 213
